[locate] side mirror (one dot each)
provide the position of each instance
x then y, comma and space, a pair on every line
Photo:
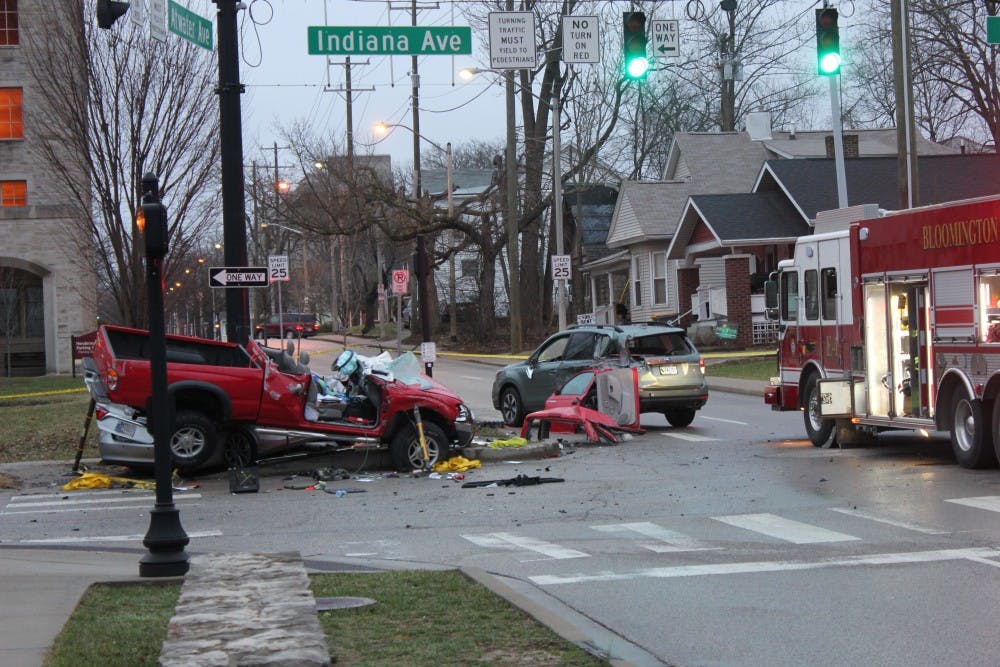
771, 299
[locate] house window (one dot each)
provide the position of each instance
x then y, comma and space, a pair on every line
8, 23
469, 267
636, 283
658, 262
11, 123
13, 193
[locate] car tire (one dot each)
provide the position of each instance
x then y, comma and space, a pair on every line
511, 407
679, 418
408, 455
240, 449
971, 437
821, 432
193, 440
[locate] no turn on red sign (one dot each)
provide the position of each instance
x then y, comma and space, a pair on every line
400, 282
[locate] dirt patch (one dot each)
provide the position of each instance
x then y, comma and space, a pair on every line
8, 481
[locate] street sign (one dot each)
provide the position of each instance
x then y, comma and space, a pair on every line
561, 267
237, 276
277, 268
585, 319
428, 352
336, 40
581, 39
512, 40
381, 293
993, 29
158, 20
189, 25
137, 13
400, 282
665, 38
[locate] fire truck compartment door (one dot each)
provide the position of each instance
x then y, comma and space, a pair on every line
836, 398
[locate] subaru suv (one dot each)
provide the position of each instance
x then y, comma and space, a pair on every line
671, 371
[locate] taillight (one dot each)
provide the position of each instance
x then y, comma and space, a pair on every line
100, 412
701, 364
111, 379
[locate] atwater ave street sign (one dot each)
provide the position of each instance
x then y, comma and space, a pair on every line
189, 25
389, 41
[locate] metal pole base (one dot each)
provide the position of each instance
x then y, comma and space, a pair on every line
165, 540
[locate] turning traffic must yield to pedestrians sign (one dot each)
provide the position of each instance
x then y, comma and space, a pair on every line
237, 276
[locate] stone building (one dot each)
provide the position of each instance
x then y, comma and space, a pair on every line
47, 279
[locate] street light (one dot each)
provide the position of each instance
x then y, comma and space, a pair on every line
383, 129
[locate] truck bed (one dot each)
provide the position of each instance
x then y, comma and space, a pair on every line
128, 344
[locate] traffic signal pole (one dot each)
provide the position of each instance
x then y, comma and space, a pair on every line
234, 231
838, 141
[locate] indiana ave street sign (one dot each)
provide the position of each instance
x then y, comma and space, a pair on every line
340, 40
993, 29
189, 25
237, 276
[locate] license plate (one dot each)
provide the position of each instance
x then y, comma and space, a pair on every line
125, 428
668, 370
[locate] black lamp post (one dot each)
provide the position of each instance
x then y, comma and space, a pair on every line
165, 538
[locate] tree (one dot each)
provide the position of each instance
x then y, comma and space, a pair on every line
142, 108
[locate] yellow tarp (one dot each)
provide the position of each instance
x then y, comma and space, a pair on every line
457, 464
517, 441
93, 480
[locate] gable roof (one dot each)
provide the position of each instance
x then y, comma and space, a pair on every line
646, 211
591, 206
871, 143
810, 184
712, 223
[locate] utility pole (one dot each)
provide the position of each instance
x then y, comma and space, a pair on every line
234, 228
906, 139
727, 120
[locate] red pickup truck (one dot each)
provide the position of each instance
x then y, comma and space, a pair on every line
239, 404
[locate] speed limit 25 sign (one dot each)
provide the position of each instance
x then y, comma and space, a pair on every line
561, 267
277, 268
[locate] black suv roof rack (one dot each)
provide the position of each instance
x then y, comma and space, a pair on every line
597, 326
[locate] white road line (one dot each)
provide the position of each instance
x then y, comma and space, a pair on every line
77, 494
989, 503
973, 554
111, 538
720, 419
691, 437
144, 506
795, 532
506, 540
672, 541
892, 522
97, 501
471, 377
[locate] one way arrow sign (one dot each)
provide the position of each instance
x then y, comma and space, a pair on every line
237, 276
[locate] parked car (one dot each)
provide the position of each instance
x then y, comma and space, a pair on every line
290, 325
671, 371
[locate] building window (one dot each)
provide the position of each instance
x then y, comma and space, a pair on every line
658, 262
8, 23
11, 122
469, 268
636, 282
13, 193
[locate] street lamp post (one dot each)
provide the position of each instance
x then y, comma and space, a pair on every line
383, 128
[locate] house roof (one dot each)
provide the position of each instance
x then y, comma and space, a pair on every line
466, 181
711, 223
871, 143
592, 206
646, 210
811, 183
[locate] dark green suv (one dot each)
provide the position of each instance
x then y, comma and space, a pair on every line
671, 371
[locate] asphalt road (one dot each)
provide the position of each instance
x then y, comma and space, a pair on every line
729, 542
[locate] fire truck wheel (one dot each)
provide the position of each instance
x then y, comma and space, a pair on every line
995, 422
971, 439
679, 418
408, 455
193, 441
821, 432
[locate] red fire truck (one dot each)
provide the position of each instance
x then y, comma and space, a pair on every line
894, 323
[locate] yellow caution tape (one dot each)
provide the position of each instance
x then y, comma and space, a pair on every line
93, 480
457, 464
517, 441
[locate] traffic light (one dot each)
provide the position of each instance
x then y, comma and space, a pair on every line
827, 42
108, 12
634, 45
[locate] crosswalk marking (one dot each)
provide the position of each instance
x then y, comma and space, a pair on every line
989, 503
690, 437
720, 419
669, 541
92, 501
795, 532
507, 540
978, 555
891, 522
110, 538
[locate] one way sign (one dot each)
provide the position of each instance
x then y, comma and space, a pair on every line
666, 38
237, 276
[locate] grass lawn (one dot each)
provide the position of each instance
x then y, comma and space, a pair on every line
755, 368
43, 418
420, 618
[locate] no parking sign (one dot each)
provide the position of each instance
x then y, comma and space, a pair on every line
400, 282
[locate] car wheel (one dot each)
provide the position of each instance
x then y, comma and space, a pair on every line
820, 431
407, 454
511, 407
970, 435
193, 440
679, 418
240, 448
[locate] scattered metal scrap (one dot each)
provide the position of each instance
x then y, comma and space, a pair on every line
520, 480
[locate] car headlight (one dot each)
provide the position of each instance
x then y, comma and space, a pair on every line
465, 414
